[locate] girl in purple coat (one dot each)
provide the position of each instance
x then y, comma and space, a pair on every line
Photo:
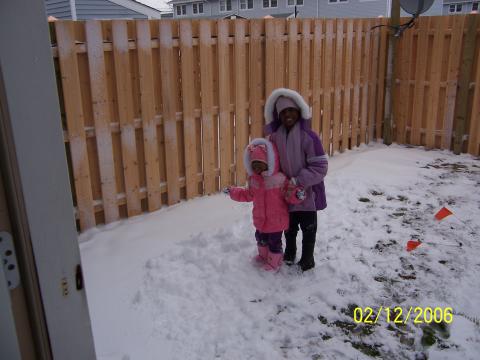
303, 160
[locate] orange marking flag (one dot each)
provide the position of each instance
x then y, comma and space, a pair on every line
413, 244
442, 213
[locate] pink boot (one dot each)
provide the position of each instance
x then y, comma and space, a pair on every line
274, 261
262, 254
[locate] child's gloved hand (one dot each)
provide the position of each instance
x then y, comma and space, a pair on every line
226, 190
300, 194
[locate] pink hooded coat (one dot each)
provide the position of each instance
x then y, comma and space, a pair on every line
268, 192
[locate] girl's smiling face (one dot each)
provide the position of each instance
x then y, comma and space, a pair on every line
289, 117
258, 167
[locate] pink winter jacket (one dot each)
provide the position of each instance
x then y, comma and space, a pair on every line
268, 192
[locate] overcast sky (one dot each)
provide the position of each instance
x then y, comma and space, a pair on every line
157, 4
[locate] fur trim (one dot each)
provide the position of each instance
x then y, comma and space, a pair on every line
270, 156
295, 96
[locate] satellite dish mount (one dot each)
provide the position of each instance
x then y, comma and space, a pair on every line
414, 8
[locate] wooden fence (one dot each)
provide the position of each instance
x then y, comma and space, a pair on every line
429, 66
158, 111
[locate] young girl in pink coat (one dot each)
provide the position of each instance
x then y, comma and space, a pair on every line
271, 193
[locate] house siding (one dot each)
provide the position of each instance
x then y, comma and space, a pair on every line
58, 8
104, 9
466, 7
310, 9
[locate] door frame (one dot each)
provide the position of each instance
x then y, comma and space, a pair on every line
37, 187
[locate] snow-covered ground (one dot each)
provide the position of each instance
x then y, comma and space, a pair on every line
179, 283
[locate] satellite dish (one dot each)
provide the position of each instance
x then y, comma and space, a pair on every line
416, 7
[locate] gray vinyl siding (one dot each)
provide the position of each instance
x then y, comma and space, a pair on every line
104, 9
466, 7
58, 8
310, 9
353, 9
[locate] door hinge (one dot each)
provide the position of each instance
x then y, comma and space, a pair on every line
9, 260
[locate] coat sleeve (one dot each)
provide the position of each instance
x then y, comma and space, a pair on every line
241, 194
317, 163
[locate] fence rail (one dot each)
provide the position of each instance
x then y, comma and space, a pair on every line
155, 111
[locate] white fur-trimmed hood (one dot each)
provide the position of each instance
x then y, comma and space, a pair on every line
270, 156
295, 96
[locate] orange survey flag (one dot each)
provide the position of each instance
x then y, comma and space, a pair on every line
442, 213
413, 244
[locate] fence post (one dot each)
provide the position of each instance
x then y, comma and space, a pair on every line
392, 45
461, 101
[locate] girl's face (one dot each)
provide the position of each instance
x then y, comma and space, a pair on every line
289, 117
258, 167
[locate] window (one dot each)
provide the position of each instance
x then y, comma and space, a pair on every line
181, 10
294, 2
475, 6
198, 8
454, 8
336, 1
225, 5
246, 4
269, 4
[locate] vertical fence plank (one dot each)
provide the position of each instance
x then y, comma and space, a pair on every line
366, 56
473, 147
293, 54
256, 73
102, 117
75, 123
419, 91
373, 78
188, 97
337, 108
404, 90
225, 129
241, 122
328, 87
206, 74
317, 76
125, 113
382, 63
452, 79
279, 46
461, 101
347, 86
474, 131
170, 105
269, 56
147, 95
439, 25
357, 69
305, 61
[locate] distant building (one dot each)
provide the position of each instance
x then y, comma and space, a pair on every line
286, 8
453, 7
100, 9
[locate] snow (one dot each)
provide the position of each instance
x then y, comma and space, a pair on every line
179, 283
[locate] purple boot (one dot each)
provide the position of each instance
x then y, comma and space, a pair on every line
274, 261
262, 254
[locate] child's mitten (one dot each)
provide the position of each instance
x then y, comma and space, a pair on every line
226, 190
300, 194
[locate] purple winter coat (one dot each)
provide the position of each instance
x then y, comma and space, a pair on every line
301, 153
